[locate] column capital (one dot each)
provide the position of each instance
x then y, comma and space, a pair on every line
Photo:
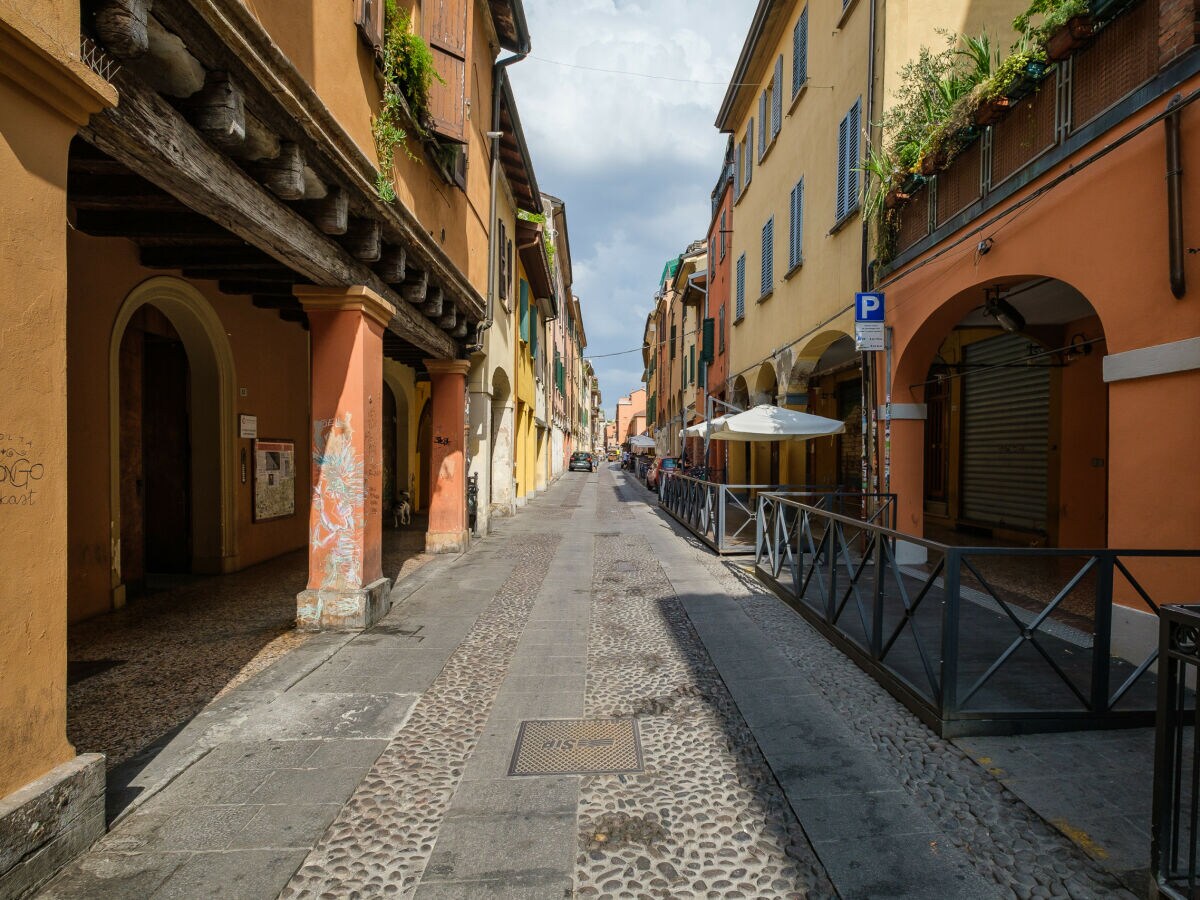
357, 297
448, 366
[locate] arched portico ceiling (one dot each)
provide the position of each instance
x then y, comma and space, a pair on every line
765, 384
1044, 304
740, 393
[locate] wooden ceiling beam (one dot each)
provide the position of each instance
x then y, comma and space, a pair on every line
153, 140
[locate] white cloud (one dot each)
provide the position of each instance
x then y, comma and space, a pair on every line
634, 158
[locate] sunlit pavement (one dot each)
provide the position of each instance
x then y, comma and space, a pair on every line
765, 764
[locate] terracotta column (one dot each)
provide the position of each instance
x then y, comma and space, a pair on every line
346, 587
448, 503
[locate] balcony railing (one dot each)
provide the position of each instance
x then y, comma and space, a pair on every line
1121, 58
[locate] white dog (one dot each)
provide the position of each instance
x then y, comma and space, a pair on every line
402, 510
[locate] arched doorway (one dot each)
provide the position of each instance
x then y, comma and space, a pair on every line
835, 390
502, 499
397, 445
172, 488
737, 462
1016, 420
391, 486
765, 454
425, 449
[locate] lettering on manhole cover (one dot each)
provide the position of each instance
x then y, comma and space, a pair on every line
577, 747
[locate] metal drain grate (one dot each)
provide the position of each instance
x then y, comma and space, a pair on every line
577, 747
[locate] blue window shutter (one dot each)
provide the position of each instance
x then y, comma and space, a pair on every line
767, 272
762, 118
533, 333
843, 154
798, 236
777, 97
749, 151
738, 153
855, 154
800, 52
741, 287
524, 310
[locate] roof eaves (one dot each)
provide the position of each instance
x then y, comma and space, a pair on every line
737, 80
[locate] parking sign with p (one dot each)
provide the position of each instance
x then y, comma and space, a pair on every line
868, 307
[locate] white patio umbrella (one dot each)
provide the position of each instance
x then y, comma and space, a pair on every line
772, 423
641, 441
701, 429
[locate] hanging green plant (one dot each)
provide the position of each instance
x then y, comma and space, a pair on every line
1043, 18
408, 73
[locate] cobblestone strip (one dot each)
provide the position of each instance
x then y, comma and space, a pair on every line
1004, 839
707, 818
381, 841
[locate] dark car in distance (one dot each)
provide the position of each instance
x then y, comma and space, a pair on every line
581, 462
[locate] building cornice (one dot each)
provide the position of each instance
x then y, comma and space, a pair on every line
56, 78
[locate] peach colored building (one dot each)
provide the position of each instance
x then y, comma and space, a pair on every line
630, 407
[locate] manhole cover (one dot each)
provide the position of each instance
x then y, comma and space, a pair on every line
577, 747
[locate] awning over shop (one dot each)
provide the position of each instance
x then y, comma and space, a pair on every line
641, 442
772, 423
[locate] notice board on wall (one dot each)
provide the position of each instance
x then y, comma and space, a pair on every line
274, 479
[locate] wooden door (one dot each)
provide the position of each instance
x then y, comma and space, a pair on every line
166, 456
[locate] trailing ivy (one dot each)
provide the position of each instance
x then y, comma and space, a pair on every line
408, 73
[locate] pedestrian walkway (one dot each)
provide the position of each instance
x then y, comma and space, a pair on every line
765, 764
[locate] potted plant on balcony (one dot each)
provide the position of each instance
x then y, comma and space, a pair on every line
1063, 26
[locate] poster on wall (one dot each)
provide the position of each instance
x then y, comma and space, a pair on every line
274, 479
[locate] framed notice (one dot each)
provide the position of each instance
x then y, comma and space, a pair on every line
274, 479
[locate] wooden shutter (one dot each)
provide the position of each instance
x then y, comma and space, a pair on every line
767, 272
800, 52
749, 151
368, 16
741, 287
444, 25
762, 118
777, 97
796, 243
855, 155
843, 155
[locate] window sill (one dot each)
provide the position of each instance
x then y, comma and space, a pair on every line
739, 197
793, 270
796, 97
846, 14
844, 220
767, 150
739, 320
766, 295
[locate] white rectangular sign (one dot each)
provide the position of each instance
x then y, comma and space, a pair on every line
247, 426
869, 336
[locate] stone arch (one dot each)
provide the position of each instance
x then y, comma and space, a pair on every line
766, 385
503, 499
213, 434
807, 360
739, 394
402, 475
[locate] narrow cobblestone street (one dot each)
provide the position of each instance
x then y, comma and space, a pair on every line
378, 764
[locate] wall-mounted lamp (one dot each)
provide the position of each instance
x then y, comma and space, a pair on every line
1077, 348
1002, 311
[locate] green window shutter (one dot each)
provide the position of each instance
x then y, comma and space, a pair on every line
706, 341
692, 362
524, 310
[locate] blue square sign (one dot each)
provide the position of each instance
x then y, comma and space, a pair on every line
868, 307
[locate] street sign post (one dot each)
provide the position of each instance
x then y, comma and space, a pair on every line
868, 322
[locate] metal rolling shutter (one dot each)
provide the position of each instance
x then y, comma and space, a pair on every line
1006, 432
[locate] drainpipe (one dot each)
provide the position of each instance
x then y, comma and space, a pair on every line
1175, 199
868, 423
494, 136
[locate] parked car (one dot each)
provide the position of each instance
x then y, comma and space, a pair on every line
581, 462
613, 455
667, 463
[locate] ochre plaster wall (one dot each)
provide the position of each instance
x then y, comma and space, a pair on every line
271, 364
33, 417
1153, 487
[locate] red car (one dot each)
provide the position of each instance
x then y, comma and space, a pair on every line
666, 462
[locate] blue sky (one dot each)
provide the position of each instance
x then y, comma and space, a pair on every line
633, 158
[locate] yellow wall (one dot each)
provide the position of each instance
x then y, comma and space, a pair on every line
319, 36
34, 137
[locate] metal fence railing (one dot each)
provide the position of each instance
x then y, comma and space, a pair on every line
1174, 823
975, 640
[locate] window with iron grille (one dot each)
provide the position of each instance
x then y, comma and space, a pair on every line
740, 311
849, 150
800, 52
767, 272
796, 235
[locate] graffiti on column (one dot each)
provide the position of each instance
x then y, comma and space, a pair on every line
338, 514
20, 471
374, 460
